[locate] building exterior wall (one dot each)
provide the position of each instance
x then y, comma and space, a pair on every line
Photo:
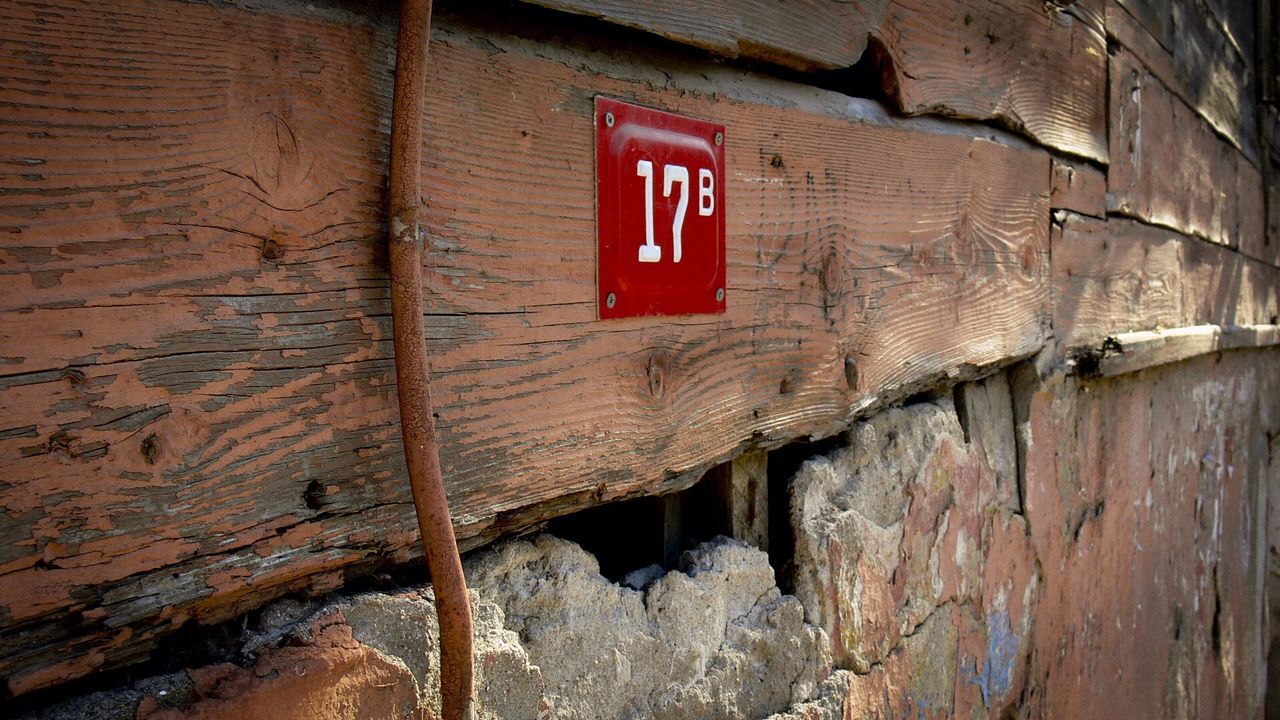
1012, 266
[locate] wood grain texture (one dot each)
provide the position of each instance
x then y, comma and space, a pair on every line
1203, 52
1272, 236
1123, 276
1146, 499
806, 35
1168, 167
1027, 64
1131, 352
197, 389
1078, 187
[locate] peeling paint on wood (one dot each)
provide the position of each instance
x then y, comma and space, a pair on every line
1147, 505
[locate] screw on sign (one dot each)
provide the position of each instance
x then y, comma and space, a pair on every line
660, 219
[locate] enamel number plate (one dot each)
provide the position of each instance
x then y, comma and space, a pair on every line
659, 212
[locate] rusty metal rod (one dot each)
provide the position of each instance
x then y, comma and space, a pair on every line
417, 423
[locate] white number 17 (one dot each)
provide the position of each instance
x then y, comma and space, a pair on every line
651, 252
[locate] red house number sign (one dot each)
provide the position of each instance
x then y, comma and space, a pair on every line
659, 212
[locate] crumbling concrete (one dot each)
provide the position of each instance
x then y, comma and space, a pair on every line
331, 675
911, 555
553, 639
718, 639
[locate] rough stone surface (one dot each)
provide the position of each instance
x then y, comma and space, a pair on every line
331, 675
404, 627
910, 554
1134, 579
717, 640
553, 639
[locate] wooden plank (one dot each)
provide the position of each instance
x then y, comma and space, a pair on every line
1205, 187
197, 389
1029, 65
1268, 58
1078, 187
1026, 64
1122, 276
1177, 21
1130, 352
1269, 118
744, 491
1196, 53
1271, 240
805, 35
1146, 504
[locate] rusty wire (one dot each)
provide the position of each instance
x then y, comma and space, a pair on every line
417, 423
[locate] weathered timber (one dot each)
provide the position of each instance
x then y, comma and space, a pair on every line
1147, 499
197, 384
1027, 64
1273, 212
1168, 167
1123, 276
1079, 188
1130, 352
1030, 65
806, 35
1198, 55
1268, 59
743, 489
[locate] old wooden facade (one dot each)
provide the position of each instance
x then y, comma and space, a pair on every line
197, 399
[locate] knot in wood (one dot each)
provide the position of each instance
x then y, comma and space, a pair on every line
831, 279
150, 448
851, 372
271, 250
656, 370
787, 385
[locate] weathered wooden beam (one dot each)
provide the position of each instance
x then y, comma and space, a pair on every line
1123, 276
1201, 53
1272, 236
742, 487
1203, 186
1079, 188
671, 508
1029, 65
805, 35
1124, 477
197, 395
1130, 352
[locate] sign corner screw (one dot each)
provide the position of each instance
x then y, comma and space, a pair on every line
611, 300
608, 119
719, 294
719, 138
